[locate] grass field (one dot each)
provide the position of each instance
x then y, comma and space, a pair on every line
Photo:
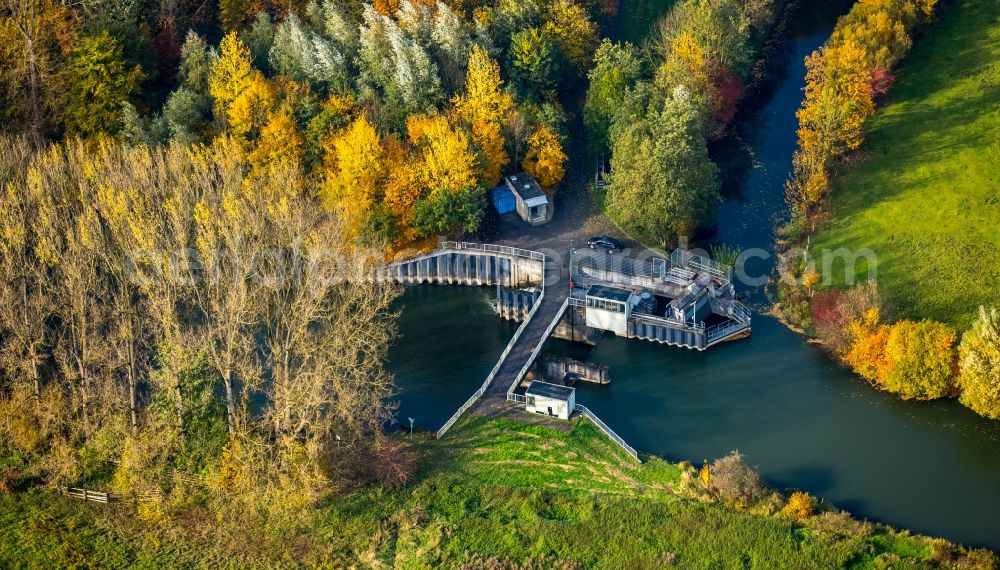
494, 493
926, 199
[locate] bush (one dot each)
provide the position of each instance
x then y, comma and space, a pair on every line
800, 506
839, 522
919, 360
979, 359
394, 463
735, 483
10, 478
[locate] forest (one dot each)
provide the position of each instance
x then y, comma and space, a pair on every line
195, 196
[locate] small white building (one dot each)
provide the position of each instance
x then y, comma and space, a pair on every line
533, 204
609, 308
551, 399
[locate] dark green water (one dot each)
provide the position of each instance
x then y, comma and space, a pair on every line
449, 340
801, 419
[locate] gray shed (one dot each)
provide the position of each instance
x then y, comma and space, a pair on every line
533, 204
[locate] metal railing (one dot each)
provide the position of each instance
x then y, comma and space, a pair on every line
723, 330
608, 431
538, 348
698, 327
731, 308
506, 351
685, 258
653, 268
490, 248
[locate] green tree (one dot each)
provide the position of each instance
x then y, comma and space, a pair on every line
449, 213
979, 358
533, 61
663, 182
919, 360
100, 85
616, 68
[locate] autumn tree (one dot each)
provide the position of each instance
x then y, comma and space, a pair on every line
100, 84
355, 169
573, 32
35, 41
484, 105
866, 351
453, 200
920, 360
979, 359
545, 160
243, 97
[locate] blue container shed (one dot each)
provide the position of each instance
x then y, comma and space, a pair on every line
503, 200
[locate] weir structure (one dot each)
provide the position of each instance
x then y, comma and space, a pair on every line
621, 294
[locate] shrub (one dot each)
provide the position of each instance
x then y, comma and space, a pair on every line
10, 478
800, 506
734, 482
919, 360
865, 351
839, 522
394, 463
979, 359
828, 320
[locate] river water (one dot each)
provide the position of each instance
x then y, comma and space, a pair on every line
804, 421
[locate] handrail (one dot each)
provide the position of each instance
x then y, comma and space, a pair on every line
663, 321
608, 431
486, 247
538, 348
723, 329
503, 356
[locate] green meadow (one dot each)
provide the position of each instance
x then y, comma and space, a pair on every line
925, 195
494, 493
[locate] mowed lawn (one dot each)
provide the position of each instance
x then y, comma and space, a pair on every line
926, 198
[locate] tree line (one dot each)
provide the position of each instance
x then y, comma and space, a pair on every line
924, 360
439, 99
655, 108
845, 80
171, 310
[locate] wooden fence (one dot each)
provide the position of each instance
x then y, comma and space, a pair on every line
88, 495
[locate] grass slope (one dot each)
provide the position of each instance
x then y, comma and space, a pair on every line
926, 199
494, 493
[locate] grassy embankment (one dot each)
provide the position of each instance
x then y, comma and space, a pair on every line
926, 195
493, 490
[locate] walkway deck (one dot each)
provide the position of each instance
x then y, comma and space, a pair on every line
520, 355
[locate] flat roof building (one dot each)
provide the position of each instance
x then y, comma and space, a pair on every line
533, 205
550, 399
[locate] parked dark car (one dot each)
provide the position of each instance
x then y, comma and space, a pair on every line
604, 242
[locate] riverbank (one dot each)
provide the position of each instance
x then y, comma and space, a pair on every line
923, 196
495, 493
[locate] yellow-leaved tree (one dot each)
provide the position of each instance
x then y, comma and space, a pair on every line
354, 171
448, 163
243, 96
280, 142
545, 160
483, 106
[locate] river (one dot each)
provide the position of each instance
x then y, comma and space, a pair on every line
803, 420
